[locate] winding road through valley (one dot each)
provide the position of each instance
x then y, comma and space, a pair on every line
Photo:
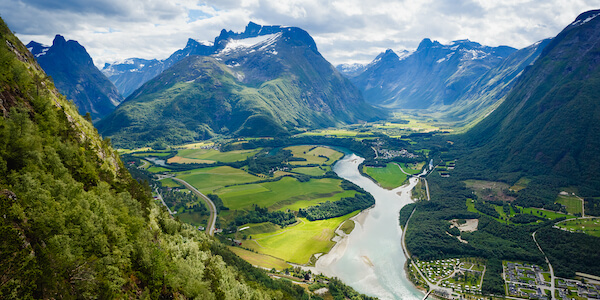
210, 227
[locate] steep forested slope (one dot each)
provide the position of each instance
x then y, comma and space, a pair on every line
76, 225
548, 124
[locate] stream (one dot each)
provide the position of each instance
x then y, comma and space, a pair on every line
370, 259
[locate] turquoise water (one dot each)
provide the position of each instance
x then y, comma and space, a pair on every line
372, 261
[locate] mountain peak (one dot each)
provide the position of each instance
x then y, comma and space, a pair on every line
586, 17
59, 40
252, 28
425, 43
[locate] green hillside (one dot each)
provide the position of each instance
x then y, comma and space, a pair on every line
548, 125
240, 93
76, 225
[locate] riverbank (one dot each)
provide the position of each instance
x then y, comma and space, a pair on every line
370, 258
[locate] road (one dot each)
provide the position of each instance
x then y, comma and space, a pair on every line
163, 202
552, 278
210, 227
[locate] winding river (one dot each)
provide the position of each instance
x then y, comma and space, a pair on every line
371, 259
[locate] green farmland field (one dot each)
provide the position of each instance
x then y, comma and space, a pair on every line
314, 155
288, 190
215, 155
298, 243
572, 203
389, 177
206, 180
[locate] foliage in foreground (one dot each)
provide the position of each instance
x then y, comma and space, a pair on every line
75, 226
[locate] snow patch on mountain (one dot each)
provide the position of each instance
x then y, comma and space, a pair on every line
261, 42
403, 54
581, 22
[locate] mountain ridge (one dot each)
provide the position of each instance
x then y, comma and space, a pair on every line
272, 84
433, 75
76, 76
548, 123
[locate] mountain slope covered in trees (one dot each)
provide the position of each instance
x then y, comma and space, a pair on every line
548, 125
76, 225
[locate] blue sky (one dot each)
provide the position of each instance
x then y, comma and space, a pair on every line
346, 31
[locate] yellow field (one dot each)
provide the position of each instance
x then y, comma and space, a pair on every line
312, 156
185, 160
298, 243
260, 260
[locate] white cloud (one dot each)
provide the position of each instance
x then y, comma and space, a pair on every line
345, 30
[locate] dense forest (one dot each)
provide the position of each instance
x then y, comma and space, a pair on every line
76, 225
338, 208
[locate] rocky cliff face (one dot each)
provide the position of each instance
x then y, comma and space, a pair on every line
432, 76
75, 76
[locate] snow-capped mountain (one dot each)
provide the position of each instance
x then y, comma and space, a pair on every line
351, 70
265, 81
433, 75
132, 73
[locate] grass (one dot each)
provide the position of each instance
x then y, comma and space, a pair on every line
347, 226
572, 203
260, 260
287, 189
389, 177
587, 226
547, 276
215, 155
168, 182
314, 155
258, 228
412, 168
298, 243
206, 180
192, 218
155, 169
185, 160
534, 211
311, 171
548, 214
334, 132
296, 205
152, 154
521, 184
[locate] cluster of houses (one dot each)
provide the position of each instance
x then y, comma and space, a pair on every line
387, 154
525, 281
566, 287
438, 269
465, 288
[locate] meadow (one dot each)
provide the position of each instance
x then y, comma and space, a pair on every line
389, 177
261, 260
286, 189
212, 155
314, 155
572, 203
298, 243
206, 180
589, 226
